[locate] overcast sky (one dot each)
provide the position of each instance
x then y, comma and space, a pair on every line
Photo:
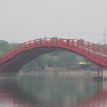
22, 20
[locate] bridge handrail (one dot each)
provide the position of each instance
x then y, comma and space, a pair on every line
87, 46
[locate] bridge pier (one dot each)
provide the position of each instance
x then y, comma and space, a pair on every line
100, 73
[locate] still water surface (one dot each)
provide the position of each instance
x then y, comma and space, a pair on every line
52, 91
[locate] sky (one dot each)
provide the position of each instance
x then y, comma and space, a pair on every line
23, 20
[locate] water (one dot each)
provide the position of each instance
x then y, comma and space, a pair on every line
52, 91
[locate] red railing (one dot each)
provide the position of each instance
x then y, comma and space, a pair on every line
94, 52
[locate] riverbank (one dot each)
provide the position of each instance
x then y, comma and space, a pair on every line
65, 73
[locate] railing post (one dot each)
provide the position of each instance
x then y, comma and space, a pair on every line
45, 42
56, 40
61, 41
104, 51
40, 42
72, 42
77, 43
93, 47
83, 46
88, 46
67, 42
99, 50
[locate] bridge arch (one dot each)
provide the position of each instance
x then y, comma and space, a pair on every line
13, 60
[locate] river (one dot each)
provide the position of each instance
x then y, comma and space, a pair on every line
52, 91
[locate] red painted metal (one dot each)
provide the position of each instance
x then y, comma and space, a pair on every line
95, 53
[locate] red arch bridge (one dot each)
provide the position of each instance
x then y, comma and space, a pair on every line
14, 59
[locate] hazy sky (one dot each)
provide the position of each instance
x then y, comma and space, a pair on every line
22, 20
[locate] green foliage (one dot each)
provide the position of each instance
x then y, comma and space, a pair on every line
4, 46
54, 59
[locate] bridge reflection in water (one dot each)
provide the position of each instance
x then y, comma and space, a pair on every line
55, 91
